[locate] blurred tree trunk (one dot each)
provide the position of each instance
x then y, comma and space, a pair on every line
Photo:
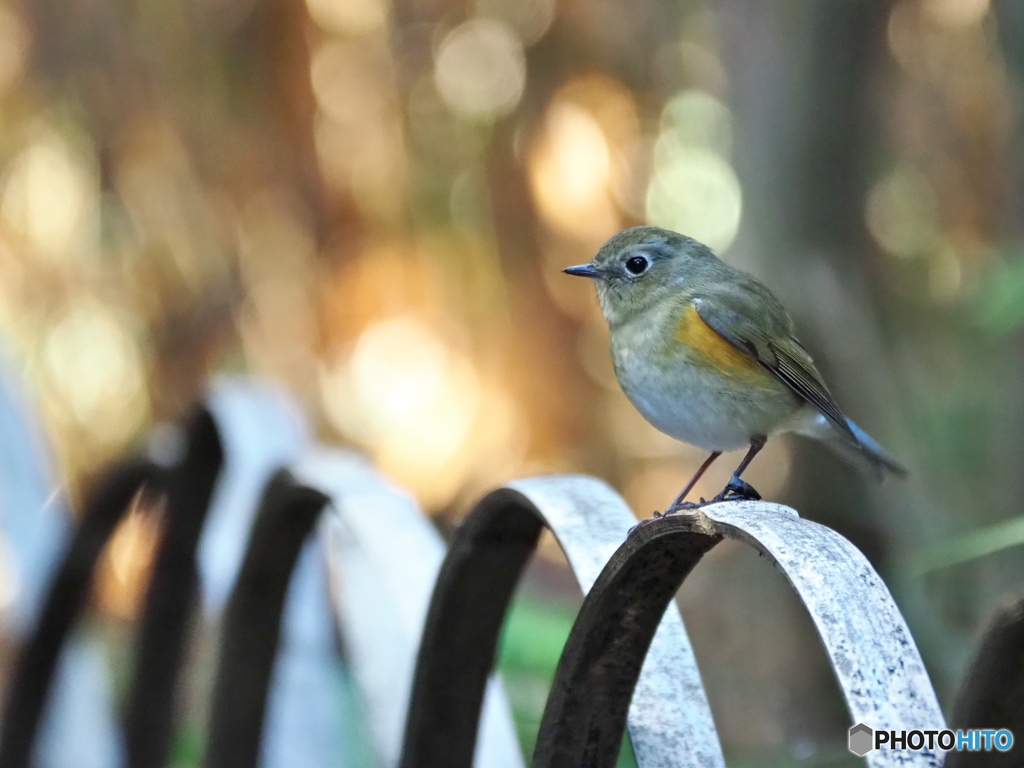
807, 125
810, 120
800, 91
1010, 18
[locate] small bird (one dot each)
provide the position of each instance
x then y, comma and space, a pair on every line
708, 355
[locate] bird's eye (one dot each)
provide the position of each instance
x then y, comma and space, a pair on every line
637, 265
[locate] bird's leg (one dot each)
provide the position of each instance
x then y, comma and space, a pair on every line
679, 503
736, 489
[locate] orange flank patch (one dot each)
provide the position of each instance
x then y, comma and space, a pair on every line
712, 349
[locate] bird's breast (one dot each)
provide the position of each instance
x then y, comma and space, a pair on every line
693, 385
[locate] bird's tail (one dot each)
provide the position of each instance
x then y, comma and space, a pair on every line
856, 446
865, 452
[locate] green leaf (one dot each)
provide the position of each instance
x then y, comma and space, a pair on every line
1000, 307
971, 546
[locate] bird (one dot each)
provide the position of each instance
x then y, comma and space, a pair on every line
709, 356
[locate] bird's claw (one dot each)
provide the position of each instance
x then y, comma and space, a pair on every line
738, 490
684, 506
681, 506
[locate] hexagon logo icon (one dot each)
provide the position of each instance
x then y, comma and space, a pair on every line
862, 739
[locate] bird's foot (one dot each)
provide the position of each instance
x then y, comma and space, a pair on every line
683, 506
738, 490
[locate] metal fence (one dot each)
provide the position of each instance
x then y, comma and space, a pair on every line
285, 546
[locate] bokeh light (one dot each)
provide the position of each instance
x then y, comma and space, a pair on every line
349, 16
371, 203
417, 403
128, 557
92, 368
398, 369
480, 69
695, 191
49, 196
586, 160
529, 18
902, 213
955, 13
694, 118
357, 130
570, 170
350, 82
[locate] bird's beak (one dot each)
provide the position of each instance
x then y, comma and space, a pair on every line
583, 270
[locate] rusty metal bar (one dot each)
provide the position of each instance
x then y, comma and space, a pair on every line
471, 598
252, 622
78, 725
171, 599
872, 653
992, 694
383, 555
65, 598
262, 429
669, 714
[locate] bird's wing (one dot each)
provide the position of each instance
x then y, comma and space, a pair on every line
764, 331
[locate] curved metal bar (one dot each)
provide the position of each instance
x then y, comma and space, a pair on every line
669, 717
262, 429
470, 600
992, 694
66, 596
872, 653
33, 517
78, 725
460, 638
171, 598
383, 556
252, 622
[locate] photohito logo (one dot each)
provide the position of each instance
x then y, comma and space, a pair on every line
864, 739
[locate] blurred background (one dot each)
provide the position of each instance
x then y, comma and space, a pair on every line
370, 201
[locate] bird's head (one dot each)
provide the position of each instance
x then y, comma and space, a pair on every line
639, 267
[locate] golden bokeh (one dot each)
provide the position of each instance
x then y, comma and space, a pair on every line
353, 17
580, 160
50, 198
127, 559
93, 372
419, 405
370, 203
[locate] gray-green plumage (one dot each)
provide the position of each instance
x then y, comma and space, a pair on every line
647, 280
